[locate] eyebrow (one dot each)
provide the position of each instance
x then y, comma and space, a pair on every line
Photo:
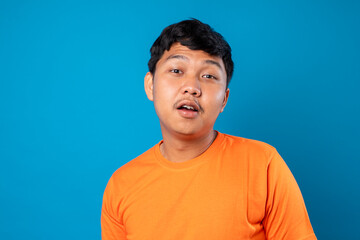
213, 63
208, 61
176, 56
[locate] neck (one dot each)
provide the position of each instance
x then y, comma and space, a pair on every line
181, 149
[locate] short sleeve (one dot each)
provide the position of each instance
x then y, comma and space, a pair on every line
286, 215
111, 226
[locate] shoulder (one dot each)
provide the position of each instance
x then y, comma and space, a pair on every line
132, 171
249, 147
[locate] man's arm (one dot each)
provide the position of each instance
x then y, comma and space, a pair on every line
111, 227
286, 215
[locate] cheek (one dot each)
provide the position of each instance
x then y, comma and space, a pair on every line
166, 89
214, 104
159, 88
218, 98
164, 95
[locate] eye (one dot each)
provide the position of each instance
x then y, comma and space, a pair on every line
209, 76
175, 70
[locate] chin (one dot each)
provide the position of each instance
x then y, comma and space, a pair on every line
191, 132
182, 129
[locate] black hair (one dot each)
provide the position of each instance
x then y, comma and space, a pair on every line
196, 36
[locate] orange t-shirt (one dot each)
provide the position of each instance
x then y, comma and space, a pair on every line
237, 189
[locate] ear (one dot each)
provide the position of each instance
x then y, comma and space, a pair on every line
149, 85
226, 97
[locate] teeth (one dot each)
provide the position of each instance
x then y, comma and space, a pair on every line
188, 107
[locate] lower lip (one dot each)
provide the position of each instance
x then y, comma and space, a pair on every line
187, 113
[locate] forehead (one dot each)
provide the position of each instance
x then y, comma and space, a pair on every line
183, 53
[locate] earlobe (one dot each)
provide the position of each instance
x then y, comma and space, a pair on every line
148, 85
227, 92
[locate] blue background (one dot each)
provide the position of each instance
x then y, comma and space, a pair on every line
73, 108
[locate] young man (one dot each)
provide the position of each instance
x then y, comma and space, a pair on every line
198, 183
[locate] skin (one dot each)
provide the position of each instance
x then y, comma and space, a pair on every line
197, 79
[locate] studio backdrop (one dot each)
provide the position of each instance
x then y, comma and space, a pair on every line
73, 108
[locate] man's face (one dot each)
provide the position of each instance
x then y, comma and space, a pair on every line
188, 90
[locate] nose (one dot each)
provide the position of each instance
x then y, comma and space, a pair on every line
192, 86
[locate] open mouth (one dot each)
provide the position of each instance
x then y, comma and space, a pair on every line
188, 107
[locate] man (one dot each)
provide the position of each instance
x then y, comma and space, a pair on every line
198, 183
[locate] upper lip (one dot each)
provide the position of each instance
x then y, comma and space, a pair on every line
188, 102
